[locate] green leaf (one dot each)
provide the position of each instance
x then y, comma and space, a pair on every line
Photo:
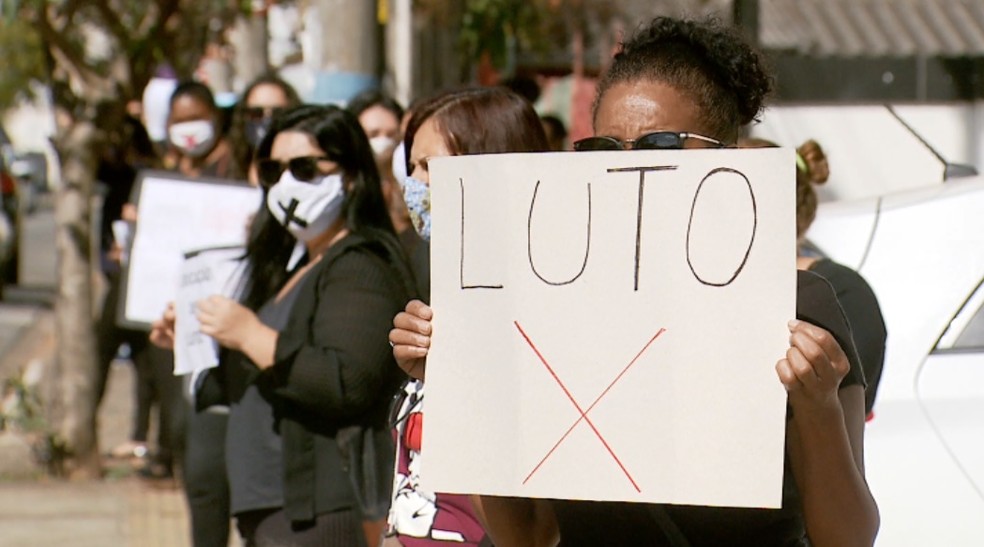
22, 61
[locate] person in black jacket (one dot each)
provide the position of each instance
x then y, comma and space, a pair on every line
309, 374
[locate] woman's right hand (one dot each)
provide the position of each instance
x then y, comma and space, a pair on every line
410, 338
162, 330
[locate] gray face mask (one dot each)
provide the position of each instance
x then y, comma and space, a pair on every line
256, 130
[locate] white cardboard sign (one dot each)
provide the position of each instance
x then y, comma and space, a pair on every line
176, 215
607, 325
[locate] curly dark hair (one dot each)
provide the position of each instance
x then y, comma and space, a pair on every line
712, 63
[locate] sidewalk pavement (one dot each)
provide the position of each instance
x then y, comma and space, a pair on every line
91, 514
121, 510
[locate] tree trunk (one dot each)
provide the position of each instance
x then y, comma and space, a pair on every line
75, 374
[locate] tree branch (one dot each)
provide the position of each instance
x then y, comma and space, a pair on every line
69, 10
60, 45
114, 24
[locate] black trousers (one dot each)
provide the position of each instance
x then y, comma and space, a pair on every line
205, 481
155, 380
270, 528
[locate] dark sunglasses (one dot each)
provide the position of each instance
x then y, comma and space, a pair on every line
659, 140
256, 113
304, 169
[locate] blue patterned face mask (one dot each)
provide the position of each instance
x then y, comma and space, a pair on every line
418, 198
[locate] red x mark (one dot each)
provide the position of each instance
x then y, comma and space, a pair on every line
584, 413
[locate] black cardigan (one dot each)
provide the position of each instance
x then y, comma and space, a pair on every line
333, 369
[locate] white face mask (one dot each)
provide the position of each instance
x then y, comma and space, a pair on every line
194, 138
381, 145
400, 164
306, 209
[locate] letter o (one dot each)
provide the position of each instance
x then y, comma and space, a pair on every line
726, 275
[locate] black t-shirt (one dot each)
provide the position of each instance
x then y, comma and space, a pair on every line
863, 316
617, 524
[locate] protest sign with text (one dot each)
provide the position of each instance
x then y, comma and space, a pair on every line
176, 215
607, 325
204, 273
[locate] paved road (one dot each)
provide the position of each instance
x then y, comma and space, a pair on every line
24, 304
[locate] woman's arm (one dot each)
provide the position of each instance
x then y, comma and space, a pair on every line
332, 357
825, 440
518, 522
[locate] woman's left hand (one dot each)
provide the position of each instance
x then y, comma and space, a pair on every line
226, 320
813, 367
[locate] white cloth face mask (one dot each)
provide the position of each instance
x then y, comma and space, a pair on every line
195, 138
306, 209
400, 164
381, 145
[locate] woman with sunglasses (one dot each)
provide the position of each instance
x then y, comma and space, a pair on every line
309, 358
264, 98
685, 84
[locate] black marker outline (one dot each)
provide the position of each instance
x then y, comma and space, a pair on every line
461, 263
529, 241
642, 189
751, 241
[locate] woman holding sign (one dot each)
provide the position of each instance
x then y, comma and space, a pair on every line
678, 85
441, 127
310, 377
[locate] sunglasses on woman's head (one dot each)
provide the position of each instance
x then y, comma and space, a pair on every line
304, 169
658, 140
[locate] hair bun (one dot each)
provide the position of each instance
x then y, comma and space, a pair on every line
815, 161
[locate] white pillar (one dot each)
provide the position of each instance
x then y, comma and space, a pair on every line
345, 34
399, 51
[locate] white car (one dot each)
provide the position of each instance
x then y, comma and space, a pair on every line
922, 251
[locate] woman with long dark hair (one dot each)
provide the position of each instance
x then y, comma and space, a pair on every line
309, 375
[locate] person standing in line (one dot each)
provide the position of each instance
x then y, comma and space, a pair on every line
381, 117
118, 171
199, 149
856, 297
208, 154
309, 376
443, 126
681, 84
262, 100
